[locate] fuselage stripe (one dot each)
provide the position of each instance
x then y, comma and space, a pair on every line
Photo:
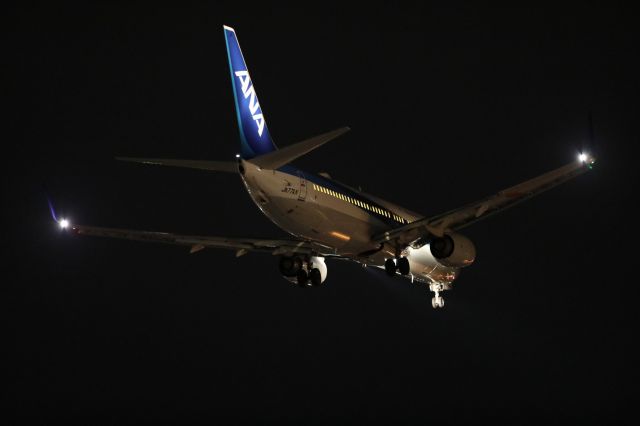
358, 203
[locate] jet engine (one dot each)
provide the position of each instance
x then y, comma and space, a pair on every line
453, 250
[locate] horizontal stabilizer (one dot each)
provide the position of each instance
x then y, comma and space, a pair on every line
216, 166
282, 156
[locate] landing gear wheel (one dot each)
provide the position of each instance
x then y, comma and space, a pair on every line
303, 278
390, 267
403, 265
315, 277
437, 302
289, 266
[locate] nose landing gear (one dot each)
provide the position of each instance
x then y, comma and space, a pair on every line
437, 301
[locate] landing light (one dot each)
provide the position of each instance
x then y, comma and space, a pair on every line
340, 235
582, 157
64, 223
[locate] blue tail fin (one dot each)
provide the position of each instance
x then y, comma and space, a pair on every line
254, 135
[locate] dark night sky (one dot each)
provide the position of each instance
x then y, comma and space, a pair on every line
446, 105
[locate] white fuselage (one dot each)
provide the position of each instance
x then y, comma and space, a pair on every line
321, 210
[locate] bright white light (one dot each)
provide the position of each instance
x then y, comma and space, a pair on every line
582, 157
237, 155
64, 223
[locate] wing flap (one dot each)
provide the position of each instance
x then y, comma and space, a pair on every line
197, 243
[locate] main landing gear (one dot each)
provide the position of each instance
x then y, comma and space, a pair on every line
311, 278
401, 265
300, 270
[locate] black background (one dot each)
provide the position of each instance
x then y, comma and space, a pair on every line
446, 105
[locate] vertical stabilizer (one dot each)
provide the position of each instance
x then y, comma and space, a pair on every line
254, 135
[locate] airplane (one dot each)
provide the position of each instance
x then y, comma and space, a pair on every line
328, 219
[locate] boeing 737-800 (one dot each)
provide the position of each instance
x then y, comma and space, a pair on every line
328, 219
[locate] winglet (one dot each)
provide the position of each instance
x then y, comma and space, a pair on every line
52, 211
62, 222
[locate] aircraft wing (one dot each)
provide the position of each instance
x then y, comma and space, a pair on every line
197, 243
457, 219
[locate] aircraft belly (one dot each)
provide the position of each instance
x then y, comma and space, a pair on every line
330, 222
347, 234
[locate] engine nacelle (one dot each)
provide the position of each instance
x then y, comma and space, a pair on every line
453, 250
318, 262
